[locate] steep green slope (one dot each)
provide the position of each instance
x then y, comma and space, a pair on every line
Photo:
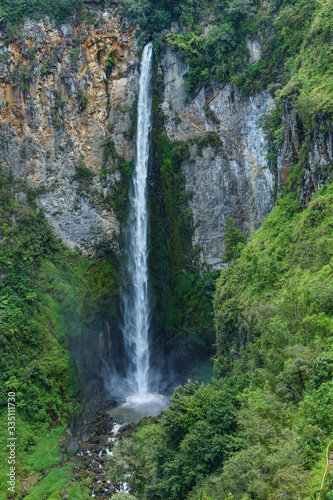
274, 318
49, 297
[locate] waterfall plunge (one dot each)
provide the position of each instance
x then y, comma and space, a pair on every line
136, 301
135, 391
140, 401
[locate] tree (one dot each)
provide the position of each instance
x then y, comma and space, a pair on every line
195, 437
232, 237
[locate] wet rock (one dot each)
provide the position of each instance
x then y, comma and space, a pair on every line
73, 444
85, 438
103, 401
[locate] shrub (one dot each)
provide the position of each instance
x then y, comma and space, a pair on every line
232, 238
82, 172
83, 98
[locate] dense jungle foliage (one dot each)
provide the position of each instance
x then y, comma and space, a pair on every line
260, 428
44, 292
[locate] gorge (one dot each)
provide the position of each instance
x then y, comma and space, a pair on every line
166, 199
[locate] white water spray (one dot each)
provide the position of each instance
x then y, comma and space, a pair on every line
136, 301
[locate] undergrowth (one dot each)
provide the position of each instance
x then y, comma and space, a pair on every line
49, 296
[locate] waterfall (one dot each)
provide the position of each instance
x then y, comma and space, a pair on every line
136, 298
139, 400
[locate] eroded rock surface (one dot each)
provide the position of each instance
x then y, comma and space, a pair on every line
64, 90
232, 178
315, 150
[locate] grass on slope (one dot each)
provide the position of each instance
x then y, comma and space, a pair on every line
45, 290
274, 318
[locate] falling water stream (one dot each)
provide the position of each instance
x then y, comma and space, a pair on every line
141, 401
136, 303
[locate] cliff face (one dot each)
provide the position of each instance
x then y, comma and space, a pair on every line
63, 91
317, 151
67, 113
229, 174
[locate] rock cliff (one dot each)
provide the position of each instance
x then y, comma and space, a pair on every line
67, 114
317, 148
228, 172
64, 90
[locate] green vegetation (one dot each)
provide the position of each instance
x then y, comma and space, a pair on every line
208, 139
22, 75
221, 54
133, 112
118, 198
13, 11
58, 482
297, 55
234, 240
83, 98
49, 294
195, 437
274, 329
82, 172
84, 175
153, 15
57, 109
182, 287
110, 62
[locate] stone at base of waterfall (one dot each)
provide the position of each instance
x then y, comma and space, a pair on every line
73, 444
85, 438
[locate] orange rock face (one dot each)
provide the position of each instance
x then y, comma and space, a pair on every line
64, 91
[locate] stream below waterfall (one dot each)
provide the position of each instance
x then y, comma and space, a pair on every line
100, 435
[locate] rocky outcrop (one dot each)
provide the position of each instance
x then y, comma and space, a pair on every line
227, 173
317, 155
63, 91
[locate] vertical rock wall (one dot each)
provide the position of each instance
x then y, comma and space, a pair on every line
63, 91
317, 154
230, 179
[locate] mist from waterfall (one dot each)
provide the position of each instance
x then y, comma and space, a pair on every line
136, 299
